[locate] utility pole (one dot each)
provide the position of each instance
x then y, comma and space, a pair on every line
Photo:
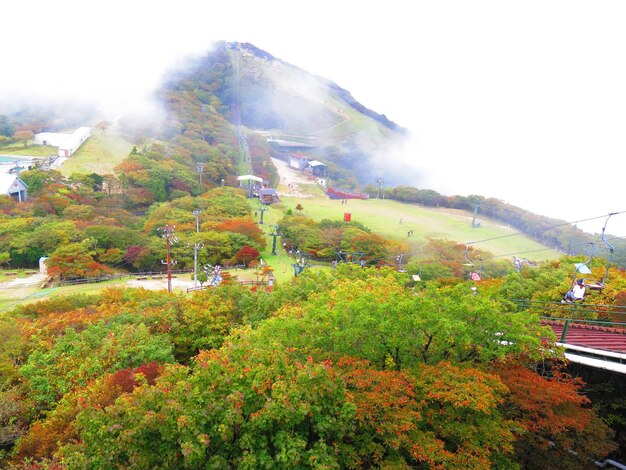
170, 239
196, 245
200, 169
380, 182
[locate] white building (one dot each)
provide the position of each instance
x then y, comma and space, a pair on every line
13, 186
67, 143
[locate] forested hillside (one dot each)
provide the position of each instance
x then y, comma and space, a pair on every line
385, 358
222, 108
265, 97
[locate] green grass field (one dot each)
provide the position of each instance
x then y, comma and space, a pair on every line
32, 151
99, 154
383, 217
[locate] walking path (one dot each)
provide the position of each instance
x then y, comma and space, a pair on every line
290, 180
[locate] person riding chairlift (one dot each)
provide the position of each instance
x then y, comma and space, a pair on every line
577, 292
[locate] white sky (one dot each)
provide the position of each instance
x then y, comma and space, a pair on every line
524, 101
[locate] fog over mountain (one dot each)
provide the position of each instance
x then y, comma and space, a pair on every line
522, 102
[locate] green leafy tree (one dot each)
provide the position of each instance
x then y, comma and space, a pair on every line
439, 324
75, 358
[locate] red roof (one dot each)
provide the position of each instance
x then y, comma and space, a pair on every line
592, 336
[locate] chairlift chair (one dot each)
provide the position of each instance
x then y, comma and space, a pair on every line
474, 274
399, 266
417, 277
584, 268
466, 260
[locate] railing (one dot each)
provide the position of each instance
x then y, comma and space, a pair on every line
144, 275
111, 277
574, 310
241, 283
617, 327
89, 280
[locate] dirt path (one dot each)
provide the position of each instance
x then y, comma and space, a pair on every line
161, 284
290, 180
32, 280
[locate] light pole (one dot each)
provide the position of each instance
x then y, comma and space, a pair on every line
196, 214
380, 181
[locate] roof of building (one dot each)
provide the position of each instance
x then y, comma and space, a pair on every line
267, 191
63, 140
9, 183
287, 143
316, 163
249, 177
298, 155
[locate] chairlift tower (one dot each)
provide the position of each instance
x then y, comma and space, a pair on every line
200, 169
475, 224
170, 239
275, 233
380, 182
302, 261
262, 209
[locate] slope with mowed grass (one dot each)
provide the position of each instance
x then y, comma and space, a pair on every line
393, 219
99, 154
29, 151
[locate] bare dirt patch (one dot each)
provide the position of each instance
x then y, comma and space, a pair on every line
161, 284
33, 280
290, 180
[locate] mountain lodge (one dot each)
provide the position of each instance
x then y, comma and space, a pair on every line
67, 143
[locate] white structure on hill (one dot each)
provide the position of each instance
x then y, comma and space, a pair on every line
67, 143
13, 186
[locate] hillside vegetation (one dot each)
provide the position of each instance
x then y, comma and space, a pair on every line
312, 372
100, 154
402, 338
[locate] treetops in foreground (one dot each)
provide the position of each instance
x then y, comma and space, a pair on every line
344, 369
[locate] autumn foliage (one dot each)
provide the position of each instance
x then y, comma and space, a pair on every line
342, 369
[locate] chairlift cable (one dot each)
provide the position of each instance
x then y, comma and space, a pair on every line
545, 228
571, 307
549, 249
551, 302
